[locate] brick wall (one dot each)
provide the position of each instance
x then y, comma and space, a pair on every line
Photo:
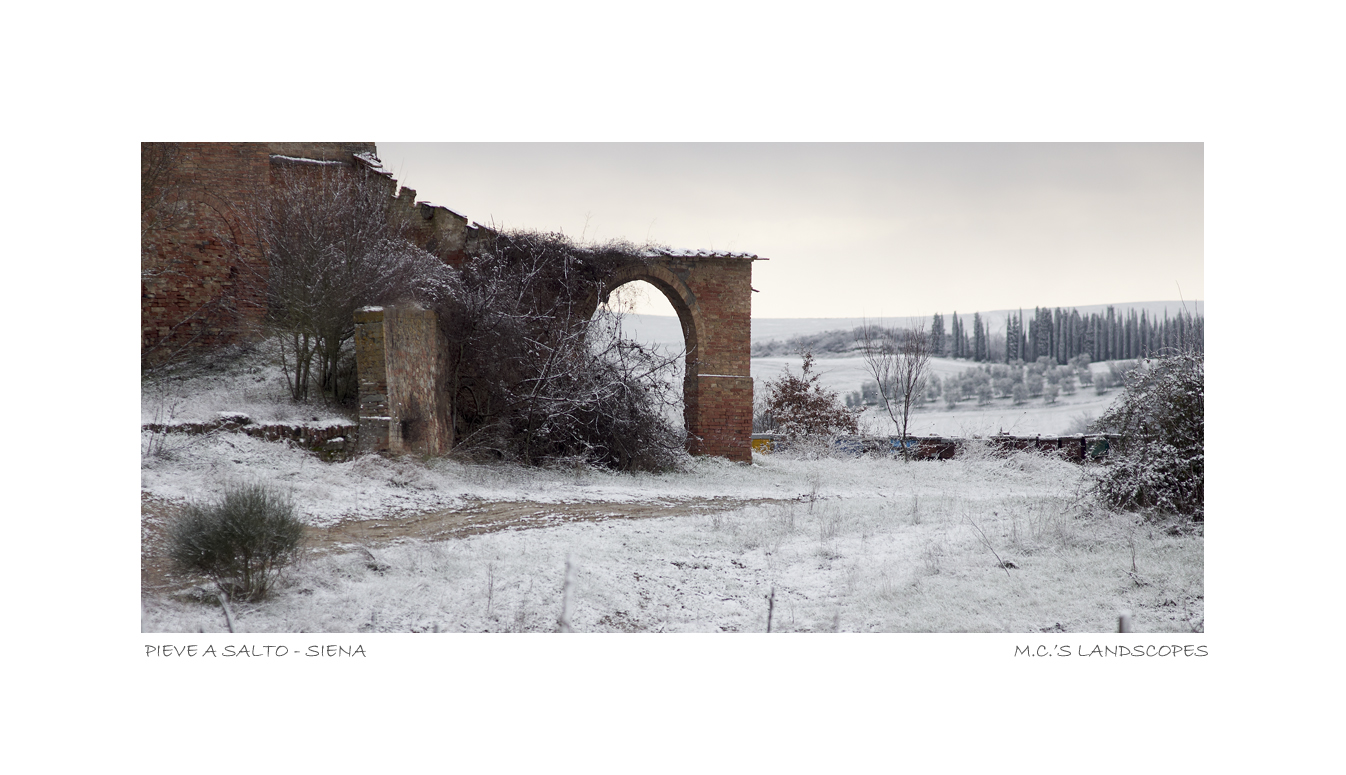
416, 358
712, 294
203, 278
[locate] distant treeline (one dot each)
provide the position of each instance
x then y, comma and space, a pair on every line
1058, 334
1063, 334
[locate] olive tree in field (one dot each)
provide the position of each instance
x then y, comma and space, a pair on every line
899, 361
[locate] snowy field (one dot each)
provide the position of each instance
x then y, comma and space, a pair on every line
845, 375
835, 543
846, 544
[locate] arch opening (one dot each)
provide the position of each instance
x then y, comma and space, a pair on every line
648, 313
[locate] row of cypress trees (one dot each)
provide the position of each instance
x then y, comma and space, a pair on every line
1062, 334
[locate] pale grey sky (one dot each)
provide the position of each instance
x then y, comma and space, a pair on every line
887, 229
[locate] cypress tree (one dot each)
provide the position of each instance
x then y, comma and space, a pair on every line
1022, 347
1076, 335
978, 341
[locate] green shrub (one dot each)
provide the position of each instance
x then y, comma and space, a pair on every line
242, 541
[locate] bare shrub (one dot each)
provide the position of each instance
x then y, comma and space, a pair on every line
1079, 424
533, 376
330, 248
241, 542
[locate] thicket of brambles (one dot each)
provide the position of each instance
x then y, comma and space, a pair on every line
1160, 463
533, 376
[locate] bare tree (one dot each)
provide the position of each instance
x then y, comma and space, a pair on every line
899, 361
331, 247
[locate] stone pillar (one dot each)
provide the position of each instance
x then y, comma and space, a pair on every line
399, 355
372, 370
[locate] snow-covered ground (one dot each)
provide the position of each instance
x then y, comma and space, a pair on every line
845, 374
854, 544
251, 383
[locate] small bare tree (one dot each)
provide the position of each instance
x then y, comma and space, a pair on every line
899, 361
330, 247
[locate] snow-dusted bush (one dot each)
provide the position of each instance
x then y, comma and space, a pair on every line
1160, 461
534, 376
241, 542
802, 408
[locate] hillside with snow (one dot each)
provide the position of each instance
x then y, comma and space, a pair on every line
665, 330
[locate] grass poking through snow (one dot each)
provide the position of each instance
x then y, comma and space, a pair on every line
981, 544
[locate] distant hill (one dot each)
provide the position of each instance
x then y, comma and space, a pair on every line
664, 329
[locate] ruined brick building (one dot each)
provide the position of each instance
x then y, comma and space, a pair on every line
196, 250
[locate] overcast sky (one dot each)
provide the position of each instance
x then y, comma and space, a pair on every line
888, 230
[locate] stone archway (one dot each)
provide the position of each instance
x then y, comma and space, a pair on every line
399, 358
712, 295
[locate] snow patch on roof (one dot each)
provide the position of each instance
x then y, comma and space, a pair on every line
373, 164
681, 253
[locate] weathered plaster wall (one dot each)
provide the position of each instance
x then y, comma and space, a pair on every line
401, 356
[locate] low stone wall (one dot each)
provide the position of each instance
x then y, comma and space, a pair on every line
1078, 448
330, 442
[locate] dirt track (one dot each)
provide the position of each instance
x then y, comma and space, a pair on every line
471, 519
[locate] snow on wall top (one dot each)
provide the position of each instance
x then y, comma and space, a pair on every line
373, 164
675, 253
442, 207
302, 160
